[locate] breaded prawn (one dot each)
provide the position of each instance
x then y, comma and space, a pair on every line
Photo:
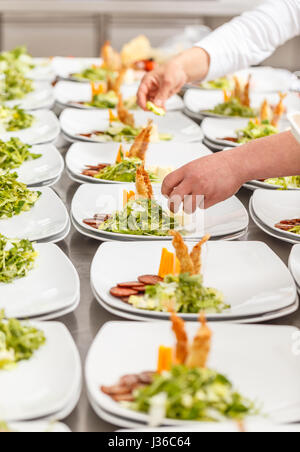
182, 253
196, 255
199, 350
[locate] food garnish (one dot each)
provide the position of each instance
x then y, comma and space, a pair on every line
15, 198
17, 258
14, 153
159, 111
18, 342
183, 387
289, 226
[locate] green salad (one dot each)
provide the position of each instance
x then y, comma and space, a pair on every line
17, 58
220, 83
254, 131
104, 100
185, 291
14, 85
13, 153
141, 217
285, 182
192, 395
94, 74
234, 108
15, 196
119, 132
17, 258
124, 171
18, 342
14, 119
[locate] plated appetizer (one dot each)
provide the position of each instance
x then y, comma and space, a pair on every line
18, 342
122, 128
285, 182
14, 153
141, 215
182, 387
17, 258
14, 85
124, 169
289, 226
15, 197
18, 59
178, 285
14, 119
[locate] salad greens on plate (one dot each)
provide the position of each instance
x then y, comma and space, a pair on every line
14, 119
220, 83
124, 171
18, 342
15, 198
255, 130
285, 182
94, 74
13, 153
17, 58
14, 85
234, 107
17, 258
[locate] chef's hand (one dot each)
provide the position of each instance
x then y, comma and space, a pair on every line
165, 81
216, 177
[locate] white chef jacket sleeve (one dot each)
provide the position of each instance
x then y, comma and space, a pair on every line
252, 37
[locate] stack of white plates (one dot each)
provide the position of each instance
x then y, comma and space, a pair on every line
246, 354
64, 67
269, 207
294, 264
72, 94
263, 287
38, 427
48, 221
44, 171
45, 129
75, 122
41, 97
43, 70
163, 155
227, 220
49, 291
47, 386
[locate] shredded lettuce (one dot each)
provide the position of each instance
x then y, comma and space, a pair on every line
17, 58
220, 83
14, 196
254, 131
14, 85
94, 74
194, 395
17, 258
18, 342
13, 153
185, 291
234, 108
14, 119
285, 182
124, 171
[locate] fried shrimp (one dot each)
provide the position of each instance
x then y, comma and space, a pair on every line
246, 94
265, 111
279, 110
111, 59
116, 86
182, 344
196, 255
124, 116
182, 253
141, 143
238, 92
143, 183
199, 350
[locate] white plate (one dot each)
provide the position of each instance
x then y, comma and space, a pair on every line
75, 122
46, 383
268, 79
59, 314
268, 358
164, 155
41, 97
140, 317
44, 169
294, 119
225, 218
294, 263
42, 71
47, 218
51, 286
63, 67
198, 101
262, 282
39, 427
273, 206
44, 129
74, 93
215, 129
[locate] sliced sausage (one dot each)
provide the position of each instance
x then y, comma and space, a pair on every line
146, 377
150, 280
124, 398
114, 390
121, 292
130, 380
130, 284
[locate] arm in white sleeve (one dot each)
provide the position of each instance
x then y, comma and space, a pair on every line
252, 37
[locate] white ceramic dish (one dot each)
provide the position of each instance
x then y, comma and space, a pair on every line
45, 384
63, 67
51, 286
42, 71
294, 263
164, 155
226, 218
262, 282
47, 218
41, 97
75, 122
294, 119
39, 427
268, 358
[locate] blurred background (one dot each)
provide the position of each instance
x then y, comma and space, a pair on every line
79, 27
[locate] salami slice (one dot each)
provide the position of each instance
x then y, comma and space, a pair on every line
121, 292
150, 280
130, 284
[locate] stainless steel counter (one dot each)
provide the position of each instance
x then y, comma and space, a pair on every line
89, 317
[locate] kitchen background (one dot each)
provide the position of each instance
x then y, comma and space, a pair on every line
79, 27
